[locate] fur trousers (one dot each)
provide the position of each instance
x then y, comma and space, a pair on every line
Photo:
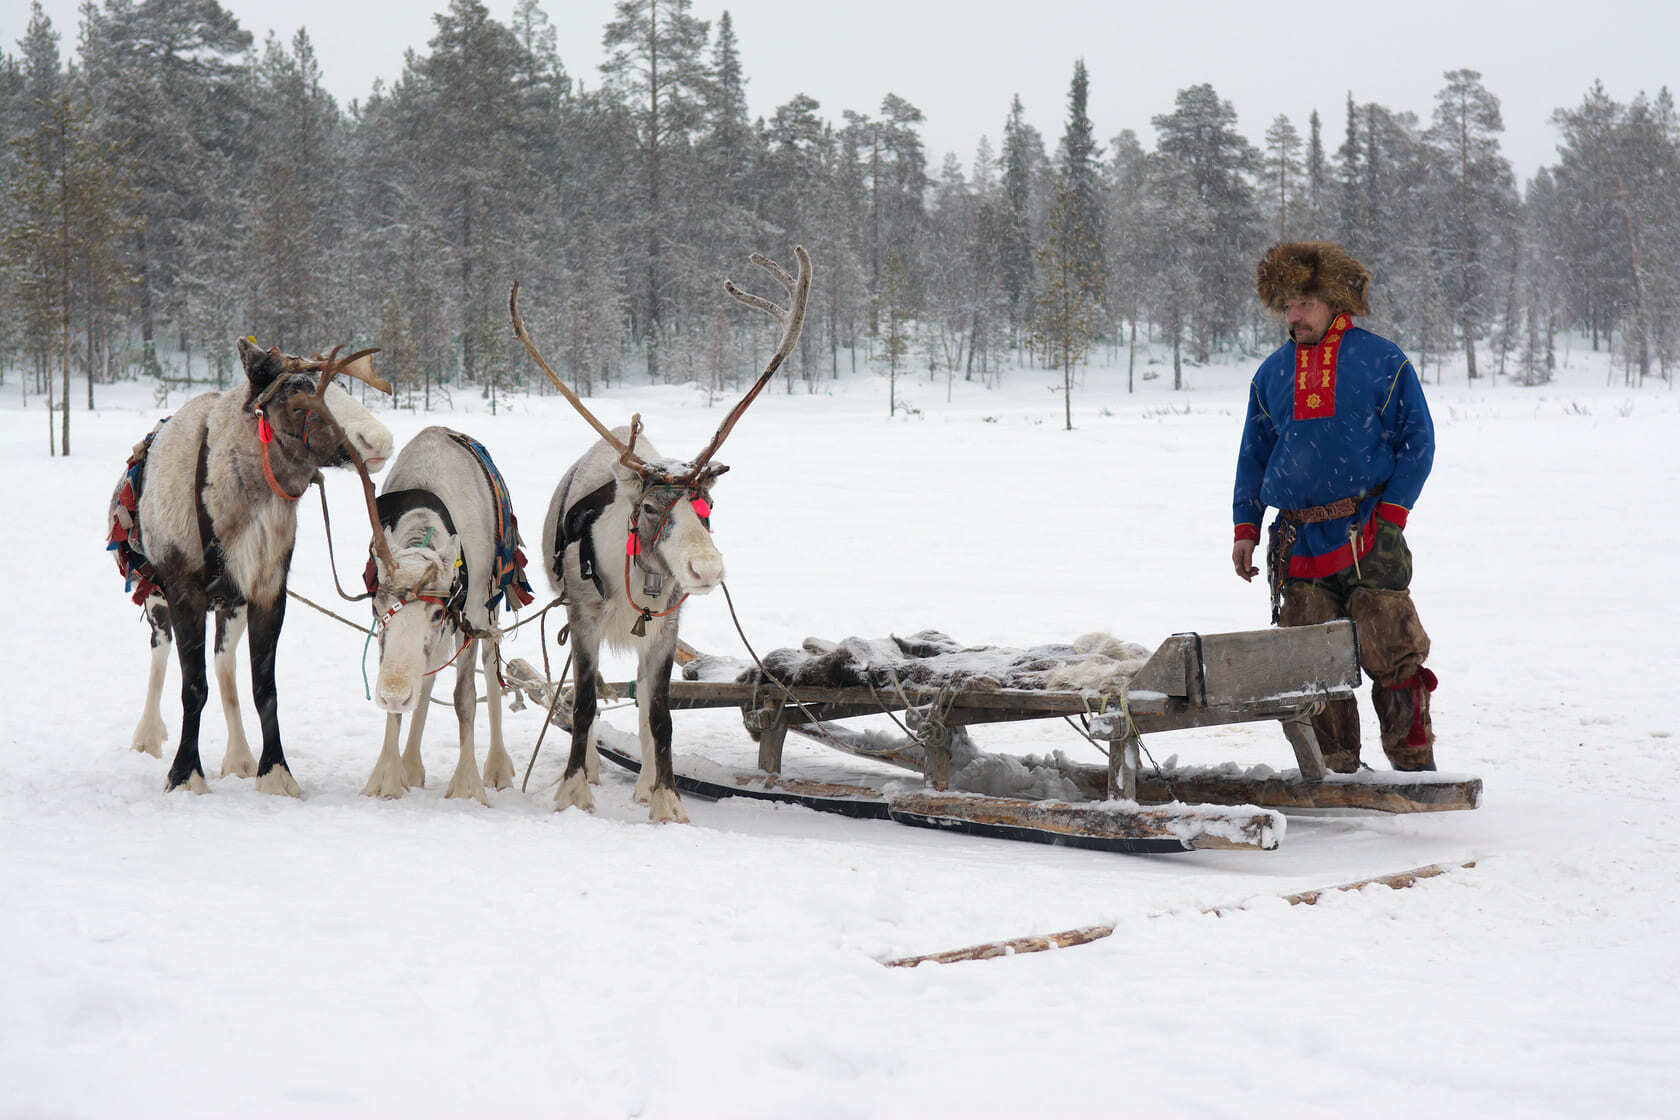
1392, 648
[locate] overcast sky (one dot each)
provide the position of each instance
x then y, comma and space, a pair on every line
961, 69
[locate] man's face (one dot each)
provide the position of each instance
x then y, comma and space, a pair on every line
1307, 320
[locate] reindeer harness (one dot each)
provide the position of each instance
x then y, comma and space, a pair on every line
578, 521
508, 583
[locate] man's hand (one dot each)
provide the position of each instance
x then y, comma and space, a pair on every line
1242, 558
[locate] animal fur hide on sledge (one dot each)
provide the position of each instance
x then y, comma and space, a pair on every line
1096, 663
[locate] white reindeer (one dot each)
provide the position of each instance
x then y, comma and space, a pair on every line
450, 557
205, 520
622, 498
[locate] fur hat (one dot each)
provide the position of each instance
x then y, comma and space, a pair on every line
1301, 269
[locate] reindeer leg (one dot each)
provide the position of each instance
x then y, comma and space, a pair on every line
414, 770
387, 777
150, 732
498, 764
186, 613
574, 786
237, 760
273, 775
653, 686
466, 782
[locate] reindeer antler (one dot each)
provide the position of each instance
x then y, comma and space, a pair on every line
792, 319
356, 365
625, 454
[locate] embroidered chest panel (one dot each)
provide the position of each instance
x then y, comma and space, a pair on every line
1315, 373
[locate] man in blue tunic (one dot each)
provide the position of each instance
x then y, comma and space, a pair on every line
1338, 440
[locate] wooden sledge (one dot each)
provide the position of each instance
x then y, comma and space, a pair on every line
1191, 680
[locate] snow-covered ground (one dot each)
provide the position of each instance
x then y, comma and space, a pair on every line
240, 954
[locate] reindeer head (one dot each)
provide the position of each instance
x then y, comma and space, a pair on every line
417, 607
670, 532
673, 492
313, 420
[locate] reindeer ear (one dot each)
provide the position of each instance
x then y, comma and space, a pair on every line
261, 366
628, 478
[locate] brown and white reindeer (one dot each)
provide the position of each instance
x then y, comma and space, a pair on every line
621, 497
450, 557
205, 519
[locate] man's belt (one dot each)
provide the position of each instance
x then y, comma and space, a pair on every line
1331, 511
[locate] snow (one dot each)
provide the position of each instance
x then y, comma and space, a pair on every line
242, 954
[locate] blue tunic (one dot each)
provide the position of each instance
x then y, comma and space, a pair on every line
1370, 428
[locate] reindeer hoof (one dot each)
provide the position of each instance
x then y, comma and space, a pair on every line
414, 771
238, 761
194, 783
386, 782
666, 807
498, 769
466, 783
643, 793
574, 791
148, 739
279, 780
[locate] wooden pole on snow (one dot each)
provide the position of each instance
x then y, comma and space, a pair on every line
1068, 937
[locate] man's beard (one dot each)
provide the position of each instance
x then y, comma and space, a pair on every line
1303, 336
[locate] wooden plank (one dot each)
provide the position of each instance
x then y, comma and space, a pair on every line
1183, 827
1308, 758
726, 694
1255, 665
1379, 790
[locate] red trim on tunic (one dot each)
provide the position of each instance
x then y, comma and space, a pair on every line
1388, 511
1315, 373
1329, 563
1248, 532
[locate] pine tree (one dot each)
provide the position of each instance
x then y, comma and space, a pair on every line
895, 314
1128, 238
65, 207
1200, 139
1282, 170
1068, 305
170, 96
654, 62
1023, 155
1480, 199
1350, 194
1081, 175
1317, 181
478, 177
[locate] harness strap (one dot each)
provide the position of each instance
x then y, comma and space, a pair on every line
265, 436
391, 506
576, 525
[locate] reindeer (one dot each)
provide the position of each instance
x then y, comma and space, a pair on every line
446, 554
205, 520
622, 490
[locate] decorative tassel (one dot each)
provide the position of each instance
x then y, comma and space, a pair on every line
1421, 682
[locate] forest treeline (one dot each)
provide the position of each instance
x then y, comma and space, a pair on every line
170, 184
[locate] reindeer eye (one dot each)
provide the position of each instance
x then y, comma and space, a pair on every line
437, 614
